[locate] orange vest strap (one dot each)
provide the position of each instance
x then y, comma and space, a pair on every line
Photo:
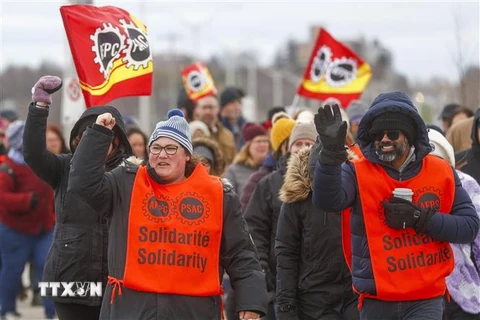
117, 284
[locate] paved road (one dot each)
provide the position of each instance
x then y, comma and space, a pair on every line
28, 312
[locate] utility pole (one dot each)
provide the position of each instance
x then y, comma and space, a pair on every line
172, 39
73, 103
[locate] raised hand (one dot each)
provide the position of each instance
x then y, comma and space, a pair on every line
44, 88
331, 129
106, 120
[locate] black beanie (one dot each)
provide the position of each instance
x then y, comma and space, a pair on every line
395, 121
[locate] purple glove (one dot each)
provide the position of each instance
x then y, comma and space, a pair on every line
44, 88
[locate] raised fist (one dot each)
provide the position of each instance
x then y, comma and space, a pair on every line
44, 88
106, 120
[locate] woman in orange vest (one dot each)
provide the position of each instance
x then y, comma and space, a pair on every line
173, 230
399, 248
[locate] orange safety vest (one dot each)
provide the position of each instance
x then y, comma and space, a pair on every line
174, 235
406, 265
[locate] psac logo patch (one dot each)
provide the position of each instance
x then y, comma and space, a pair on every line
130, 44
190, 208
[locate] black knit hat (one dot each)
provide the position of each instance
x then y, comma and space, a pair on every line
395, 121
230, 94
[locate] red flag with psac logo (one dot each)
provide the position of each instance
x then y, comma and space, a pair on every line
334, 71
198, 81
110, 51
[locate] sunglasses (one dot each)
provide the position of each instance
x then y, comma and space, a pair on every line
391, 134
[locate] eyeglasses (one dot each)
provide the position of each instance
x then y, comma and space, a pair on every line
169, 149
391, 134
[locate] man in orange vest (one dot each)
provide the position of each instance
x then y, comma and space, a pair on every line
174, 229
398, 248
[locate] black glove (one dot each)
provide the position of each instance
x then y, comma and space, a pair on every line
332, 132
401, 214
34, 201
330, 127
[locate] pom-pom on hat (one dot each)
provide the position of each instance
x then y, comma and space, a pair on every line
175, 127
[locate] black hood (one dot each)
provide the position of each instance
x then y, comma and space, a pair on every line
392, 102
90, 115
475, 126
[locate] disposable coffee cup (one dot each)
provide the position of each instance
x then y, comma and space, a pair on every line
403, 193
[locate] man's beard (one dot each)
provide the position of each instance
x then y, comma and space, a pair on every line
390, 156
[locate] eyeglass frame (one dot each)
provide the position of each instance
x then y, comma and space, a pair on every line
377, 137
162, 149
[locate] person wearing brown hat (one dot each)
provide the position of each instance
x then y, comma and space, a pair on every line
231, 113
250, 157
405, 205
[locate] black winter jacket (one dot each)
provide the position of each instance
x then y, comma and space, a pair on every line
262, 214
109, 194
335, 189
312, 274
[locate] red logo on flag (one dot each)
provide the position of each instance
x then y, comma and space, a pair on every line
334, 71
110, 51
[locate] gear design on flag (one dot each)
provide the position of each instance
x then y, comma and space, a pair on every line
320, 63
137, 52
196, 81
108, 44
158, 209
192, 209
341, 72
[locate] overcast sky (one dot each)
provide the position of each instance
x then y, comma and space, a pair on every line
421, 36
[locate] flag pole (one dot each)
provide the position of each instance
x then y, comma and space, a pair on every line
293, 106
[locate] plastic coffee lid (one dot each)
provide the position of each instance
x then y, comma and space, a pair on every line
403, 191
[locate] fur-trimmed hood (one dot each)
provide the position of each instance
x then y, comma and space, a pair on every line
219, 160
297, 184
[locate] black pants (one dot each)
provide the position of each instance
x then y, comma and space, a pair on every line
430, 309
71, 311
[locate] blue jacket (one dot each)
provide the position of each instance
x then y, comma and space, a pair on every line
335, 189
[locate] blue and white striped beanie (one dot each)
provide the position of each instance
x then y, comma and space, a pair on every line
175, 127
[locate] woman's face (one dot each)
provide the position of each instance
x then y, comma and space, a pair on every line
138, 145
259, 148
54, 143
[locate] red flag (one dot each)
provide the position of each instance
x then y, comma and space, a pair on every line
198, 81
334, 71
110, 51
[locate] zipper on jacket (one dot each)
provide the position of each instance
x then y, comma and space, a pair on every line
324, 219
